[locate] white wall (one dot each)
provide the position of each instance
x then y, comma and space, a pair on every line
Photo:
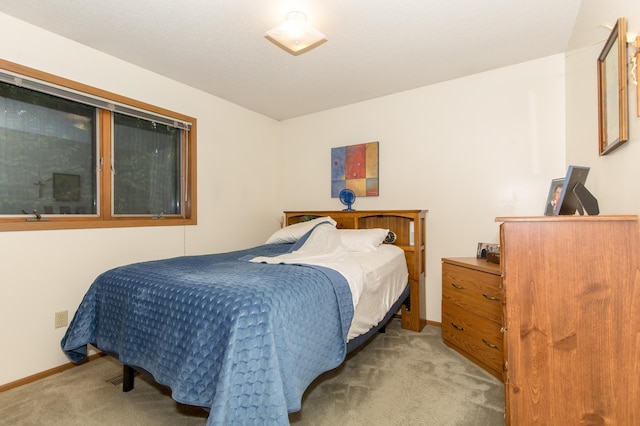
47, 271
467, 150
614, 178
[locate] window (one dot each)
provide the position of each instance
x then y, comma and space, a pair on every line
47, 150
72, 156
146, 159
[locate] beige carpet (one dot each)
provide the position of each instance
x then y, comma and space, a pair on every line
398, 378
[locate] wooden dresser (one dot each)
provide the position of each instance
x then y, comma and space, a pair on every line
410, 229
571, 294
472, 311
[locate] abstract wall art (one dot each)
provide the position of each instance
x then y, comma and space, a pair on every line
355, 167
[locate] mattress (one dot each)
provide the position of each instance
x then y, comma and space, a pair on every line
385, 277
376, 276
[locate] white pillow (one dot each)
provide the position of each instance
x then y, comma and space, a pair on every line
363, 240
292, 233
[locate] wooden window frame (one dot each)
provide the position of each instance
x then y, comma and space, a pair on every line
104, 217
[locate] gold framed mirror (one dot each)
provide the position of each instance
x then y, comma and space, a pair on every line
636, 72
613, 126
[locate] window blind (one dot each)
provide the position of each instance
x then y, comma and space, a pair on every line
95, 101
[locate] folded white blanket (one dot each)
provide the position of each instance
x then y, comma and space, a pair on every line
324, 247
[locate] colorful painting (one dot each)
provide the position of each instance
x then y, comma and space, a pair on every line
355, 167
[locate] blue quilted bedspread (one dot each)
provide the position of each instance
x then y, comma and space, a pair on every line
243, 339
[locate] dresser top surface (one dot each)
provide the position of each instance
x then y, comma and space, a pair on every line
568, 218
474, 263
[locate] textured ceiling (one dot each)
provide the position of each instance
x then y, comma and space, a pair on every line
374, 47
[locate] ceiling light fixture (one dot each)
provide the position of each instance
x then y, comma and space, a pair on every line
295, 35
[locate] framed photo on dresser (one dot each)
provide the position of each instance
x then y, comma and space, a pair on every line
554, 196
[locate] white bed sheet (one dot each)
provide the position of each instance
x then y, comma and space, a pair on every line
385, 277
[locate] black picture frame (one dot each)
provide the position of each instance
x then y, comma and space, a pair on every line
554, 196
66, 187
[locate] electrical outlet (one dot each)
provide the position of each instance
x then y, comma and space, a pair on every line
61, 319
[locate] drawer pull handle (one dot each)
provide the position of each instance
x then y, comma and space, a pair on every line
457, 327
497, 299
492, 346
458, 286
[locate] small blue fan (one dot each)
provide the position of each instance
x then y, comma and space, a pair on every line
347, 197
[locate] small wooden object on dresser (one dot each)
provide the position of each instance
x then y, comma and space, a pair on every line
472, 310
409, 227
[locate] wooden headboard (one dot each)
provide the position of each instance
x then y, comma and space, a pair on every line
409, 227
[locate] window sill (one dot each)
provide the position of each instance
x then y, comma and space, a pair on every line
90, 223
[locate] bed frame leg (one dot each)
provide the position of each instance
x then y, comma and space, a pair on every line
128, 374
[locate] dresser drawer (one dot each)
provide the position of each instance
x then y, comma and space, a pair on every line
474, 290
476, 337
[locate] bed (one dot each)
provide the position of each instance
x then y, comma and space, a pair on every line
244, 333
